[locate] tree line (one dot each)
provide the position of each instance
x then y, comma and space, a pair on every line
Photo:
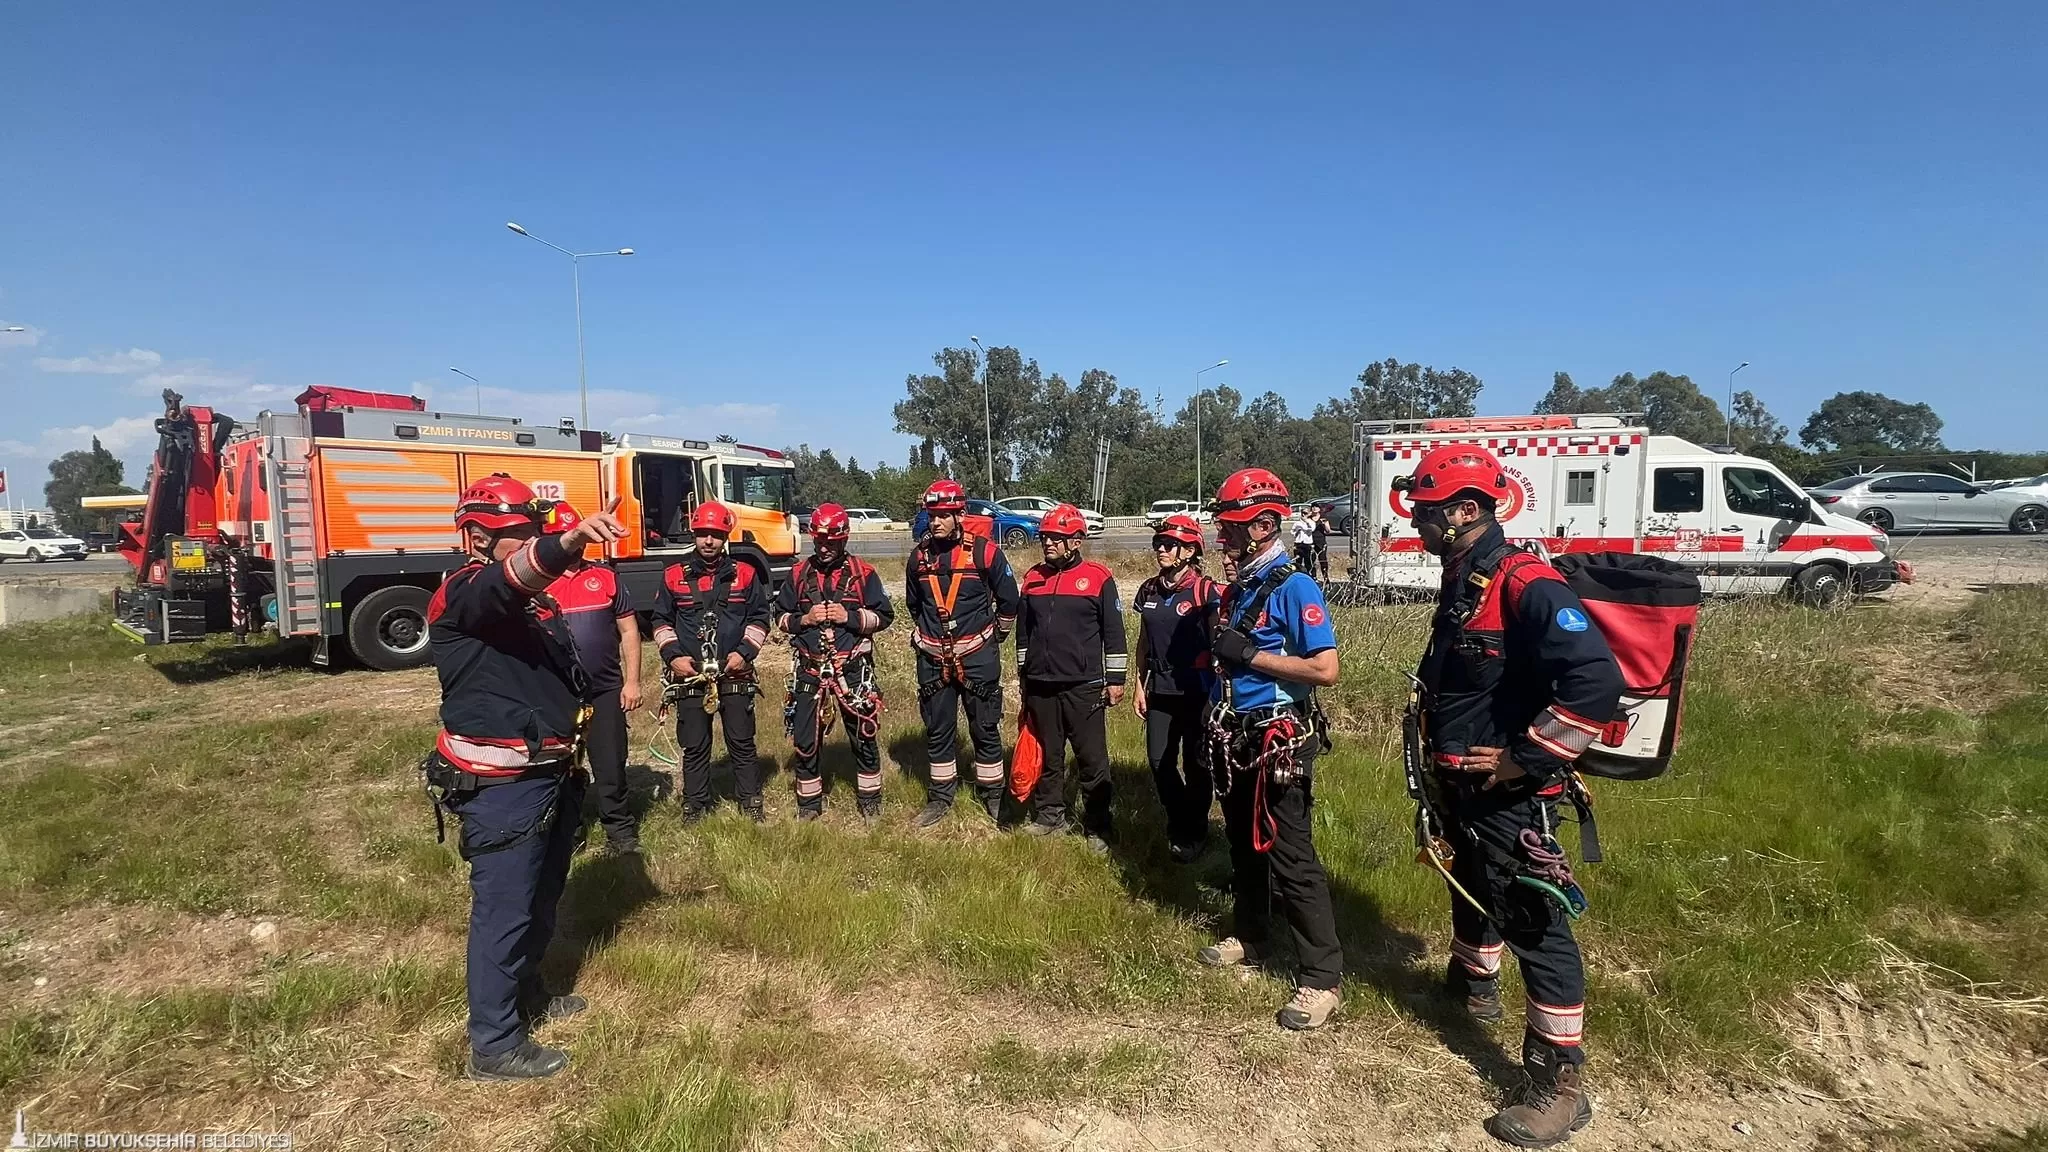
1044, 429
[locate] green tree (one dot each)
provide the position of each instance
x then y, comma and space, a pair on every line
1870, 423
1564, 398
1670, 405
1391, 390
78, 474
947, 407
1754, 428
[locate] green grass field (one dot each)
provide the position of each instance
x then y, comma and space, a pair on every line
1828, 823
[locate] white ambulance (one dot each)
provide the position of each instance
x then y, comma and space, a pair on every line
1605, 484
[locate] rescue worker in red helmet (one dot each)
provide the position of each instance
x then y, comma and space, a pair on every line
607, 632
512, 702
831, 607
962, 600
1515, 684
1176, 609
1071, 665
710, 620
1273, 646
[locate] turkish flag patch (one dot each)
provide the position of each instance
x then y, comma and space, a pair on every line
1313, 614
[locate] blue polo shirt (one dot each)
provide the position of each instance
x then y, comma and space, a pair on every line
1295, 622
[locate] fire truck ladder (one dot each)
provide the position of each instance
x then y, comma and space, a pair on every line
291, 511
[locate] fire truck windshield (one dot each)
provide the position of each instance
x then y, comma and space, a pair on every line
756, 486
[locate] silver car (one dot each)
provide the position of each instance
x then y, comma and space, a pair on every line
1916, 501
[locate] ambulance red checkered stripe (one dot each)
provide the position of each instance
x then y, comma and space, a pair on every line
1721, 545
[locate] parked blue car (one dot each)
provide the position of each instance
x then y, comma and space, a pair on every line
1010, 529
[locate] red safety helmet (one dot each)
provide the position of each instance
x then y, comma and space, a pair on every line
1450, 469
1249, 493
1180, 528
945, 496
830, 522
498, 502
1063, 520
562, 517
711, 516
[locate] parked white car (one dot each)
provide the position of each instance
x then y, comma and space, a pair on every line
1161, 509
40, 544
1037, 506
867, 520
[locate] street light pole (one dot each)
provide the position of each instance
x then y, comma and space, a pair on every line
1728, 430
988, 423
473, 380
1198, 426
576, 281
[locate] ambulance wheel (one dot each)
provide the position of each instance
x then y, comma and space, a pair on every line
2030, 520
1820, 586
1877, 518
388, 629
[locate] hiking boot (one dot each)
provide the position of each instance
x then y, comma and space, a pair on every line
1310, 1009
934, 811
1042, 827
1185, 853
993, 805
529, 1061
694, 812
1228, 951
755, 810
870, 808
628, 845
554, 1008
1545, 1110
805, 814
1481, 997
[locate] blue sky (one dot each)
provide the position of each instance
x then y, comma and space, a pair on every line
241, 199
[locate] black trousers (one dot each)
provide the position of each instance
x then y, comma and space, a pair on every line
693, 735
1289, 874
1063, 714
518, 837
810, 782
1484, 827
605, 744
1305, 558
940, 701
1178, 749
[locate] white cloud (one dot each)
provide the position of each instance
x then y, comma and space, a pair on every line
620, 410
123, 436
28, 337
105, 364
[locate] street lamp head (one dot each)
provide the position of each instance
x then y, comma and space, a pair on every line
625, 251
1219, 363
515, 227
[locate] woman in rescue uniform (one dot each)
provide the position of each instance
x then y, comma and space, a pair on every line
1071, 666
504, 763
1175, 608
1516, 683
710, 619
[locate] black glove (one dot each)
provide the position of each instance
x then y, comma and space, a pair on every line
1234, 646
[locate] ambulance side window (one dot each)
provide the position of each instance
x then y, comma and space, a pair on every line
1580, 487
1679, 490
1755, 492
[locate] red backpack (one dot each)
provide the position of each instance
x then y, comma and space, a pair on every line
1647, 609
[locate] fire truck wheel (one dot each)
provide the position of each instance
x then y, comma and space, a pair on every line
1820, 586
388, 629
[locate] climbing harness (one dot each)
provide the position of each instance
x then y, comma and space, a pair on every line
1268, 745
949, 650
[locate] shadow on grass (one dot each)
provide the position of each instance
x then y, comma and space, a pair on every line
602, 894
1377, 953
234, 659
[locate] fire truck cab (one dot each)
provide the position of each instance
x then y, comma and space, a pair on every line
660, 480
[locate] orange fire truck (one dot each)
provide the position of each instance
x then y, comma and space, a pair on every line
335, 521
